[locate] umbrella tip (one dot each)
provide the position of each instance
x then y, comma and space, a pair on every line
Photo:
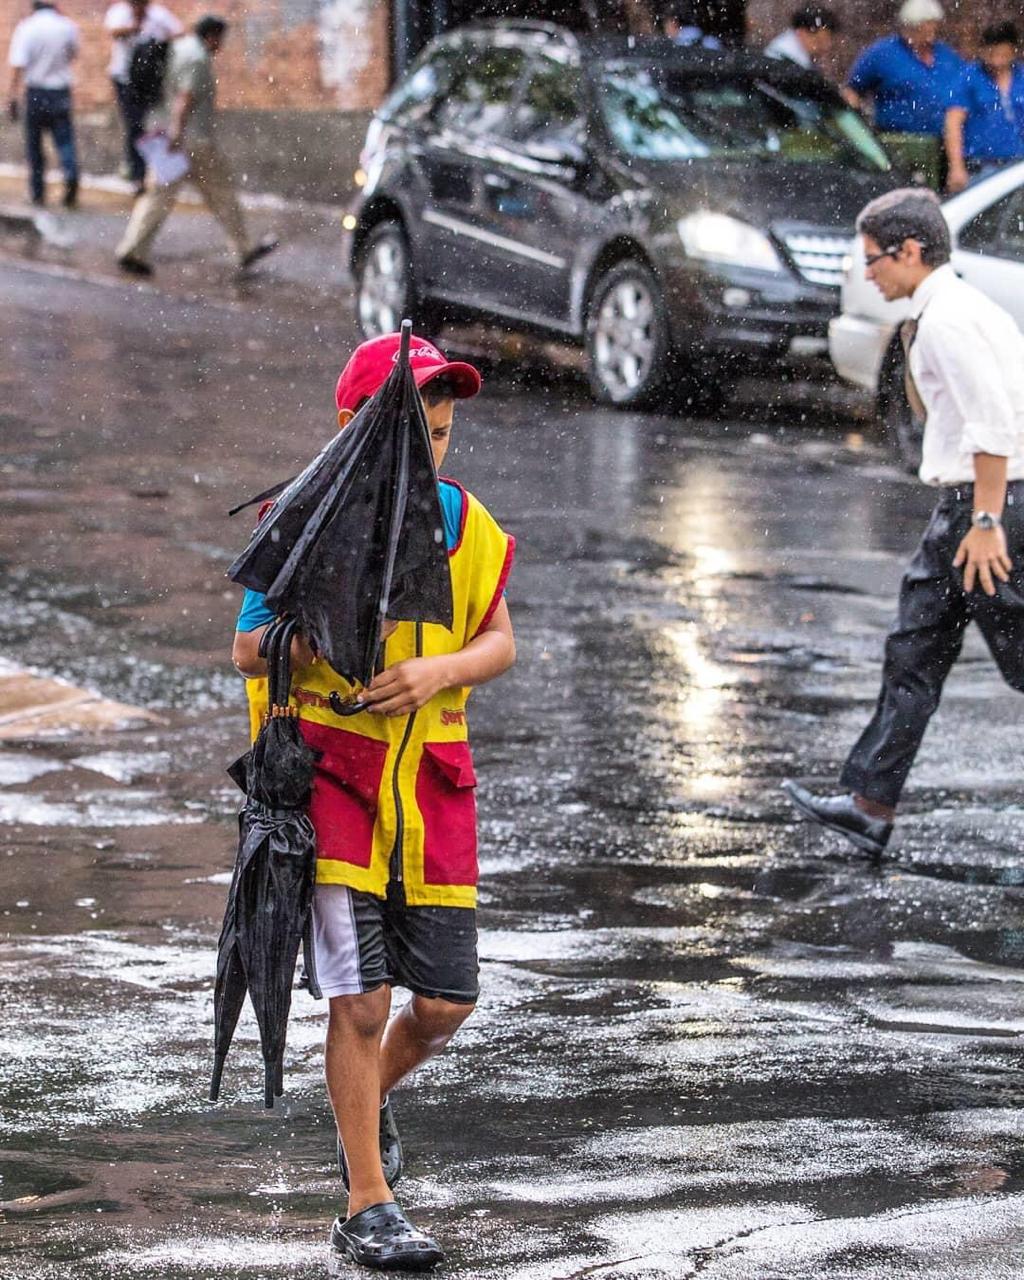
403, 350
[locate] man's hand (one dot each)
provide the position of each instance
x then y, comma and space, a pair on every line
984, 558
406, 686
957, 179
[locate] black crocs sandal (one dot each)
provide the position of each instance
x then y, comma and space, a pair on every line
382, 1237
390, 1149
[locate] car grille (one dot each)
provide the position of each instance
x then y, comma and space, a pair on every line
818, 256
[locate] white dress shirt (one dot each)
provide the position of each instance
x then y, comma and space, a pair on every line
788, 45
43, 46
967, 360
158, 23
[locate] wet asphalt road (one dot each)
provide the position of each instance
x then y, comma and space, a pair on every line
708, 1044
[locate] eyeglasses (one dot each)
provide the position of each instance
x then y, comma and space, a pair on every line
871, 258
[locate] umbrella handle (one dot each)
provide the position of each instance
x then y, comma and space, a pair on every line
275, 646
342, 708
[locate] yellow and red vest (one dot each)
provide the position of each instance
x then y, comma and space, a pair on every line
393, 797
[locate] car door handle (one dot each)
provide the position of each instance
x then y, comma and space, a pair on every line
497, 181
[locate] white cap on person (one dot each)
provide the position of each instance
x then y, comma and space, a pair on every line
914, 12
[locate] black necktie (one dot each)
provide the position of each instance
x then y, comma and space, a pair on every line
908, 332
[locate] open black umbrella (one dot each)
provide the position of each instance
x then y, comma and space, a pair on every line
359, 535
269, 908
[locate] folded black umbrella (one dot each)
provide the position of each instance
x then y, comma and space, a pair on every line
269, 909
359, 535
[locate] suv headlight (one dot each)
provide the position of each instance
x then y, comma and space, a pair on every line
716, 237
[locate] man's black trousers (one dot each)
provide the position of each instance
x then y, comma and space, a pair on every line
933, 615
133, 120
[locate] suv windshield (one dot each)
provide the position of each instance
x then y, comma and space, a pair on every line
658, 114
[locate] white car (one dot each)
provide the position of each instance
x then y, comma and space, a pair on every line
987, 225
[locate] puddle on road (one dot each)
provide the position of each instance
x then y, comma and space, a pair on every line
94, 809
17, 768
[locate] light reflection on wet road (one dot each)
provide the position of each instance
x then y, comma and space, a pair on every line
707, 1044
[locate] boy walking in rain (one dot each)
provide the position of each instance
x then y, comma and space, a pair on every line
965, 377
395, 818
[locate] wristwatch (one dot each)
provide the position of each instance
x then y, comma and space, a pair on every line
986, 520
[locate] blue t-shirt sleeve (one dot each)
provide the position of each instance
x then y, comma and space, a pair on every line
254, 612
865, 72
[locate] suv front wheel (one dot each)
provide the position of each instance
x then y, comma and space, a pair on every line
385, 285
627, 340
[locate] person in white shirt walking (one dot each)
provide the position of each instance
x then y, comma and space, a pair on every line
965, 377
187, 115
131, 23
43, 47
808, 39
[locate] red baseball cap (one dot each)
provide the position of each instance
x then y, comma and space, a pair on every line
372, 361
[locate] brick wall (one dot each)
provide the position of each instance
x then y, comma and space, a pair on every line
279, 54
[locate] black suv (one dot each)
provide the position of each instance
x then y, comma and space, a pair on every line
679, 211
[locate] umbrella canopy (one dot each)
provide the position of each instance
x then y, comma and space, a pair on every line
269, 907
359, 535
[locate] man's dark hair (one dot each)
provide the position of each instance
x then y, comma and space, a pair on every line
210, 25
1000, 33
814, 17
910, 213
439, 389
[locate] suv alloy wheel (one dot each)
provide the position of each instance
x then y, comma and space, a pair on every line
627, 338
385, 287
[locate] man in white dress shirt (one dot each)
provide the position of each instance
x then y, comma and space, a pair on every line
965, 377
808, 39
43, 47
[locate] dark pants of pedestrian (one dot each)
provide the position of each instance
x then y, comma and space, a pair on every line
49, 111
933, 614
133, 118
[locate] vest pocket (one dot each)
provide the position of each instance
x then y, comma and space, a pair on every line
446, 799
346, 787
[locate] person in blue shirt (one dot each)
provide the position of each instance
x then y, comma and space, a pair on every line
684, 26
985, 125
911, 78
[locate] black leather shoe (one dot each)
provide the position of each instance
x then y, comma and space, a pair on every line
842, 814
390, 1149
382, 1237
135, 266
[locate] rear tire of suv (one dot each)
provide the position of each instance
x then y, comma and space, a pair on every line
626, 337
903, 433
385, 285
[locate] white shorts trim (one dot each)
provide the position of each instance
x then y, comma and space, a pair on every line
335, 941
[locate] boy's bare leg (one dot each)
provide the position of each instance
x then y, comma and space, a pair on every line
352, 1065
415, 1035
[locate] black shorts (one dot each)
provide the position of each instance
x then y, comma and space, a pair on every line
362, 942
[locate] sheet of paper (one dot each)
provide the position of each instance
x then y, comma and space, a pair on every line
165, 166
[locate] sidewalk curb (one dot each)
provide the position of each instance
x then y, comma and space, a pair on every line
112, 186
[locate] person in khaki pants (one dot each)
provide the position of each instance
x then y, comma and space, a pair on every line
187, 116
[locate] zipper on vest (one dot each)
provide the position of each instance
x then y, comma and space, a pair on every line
396, 869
